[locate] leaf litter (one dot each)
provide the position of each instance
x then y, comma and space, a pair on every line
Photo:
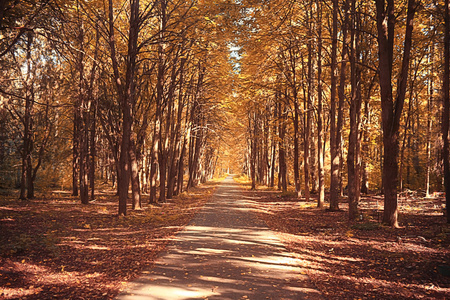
55, 247
364, 259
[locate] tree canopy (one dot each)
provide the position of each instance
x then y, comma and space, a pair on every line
328, 97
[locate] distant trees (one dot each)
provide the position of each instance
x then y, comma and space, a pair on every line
137, 93
27, 87
143, 78
353, 52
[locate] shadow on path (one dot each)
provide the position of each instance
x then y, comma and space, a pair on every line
224, 253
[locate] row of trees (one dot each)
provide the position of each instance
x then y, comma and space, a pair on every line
132, 90
136, 91
347, 81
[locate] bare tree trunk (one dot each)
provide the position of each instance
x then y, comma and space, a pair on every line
135, 183
26, 148
282, 174
274, 149
127, 96
93, 117
252, 149
334, 140
365, 146
391, 111
30, 182
93, 151
84, 124
154, 166
429, 119
446, 113
307, 108
176, 138
181, 168
28, 143
353, 156
341, 94
406, 137
296, 143
75, 150
320, 142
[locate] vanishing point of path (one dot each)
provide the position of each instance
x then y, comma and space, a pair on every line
224, 253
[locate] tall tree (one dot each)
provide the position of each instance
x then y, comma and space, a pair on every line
354, 144
320, 131
126, 90
446, 112
334, 138
391, 109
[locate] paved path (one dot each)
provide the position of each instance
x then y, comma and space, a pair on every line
224, 253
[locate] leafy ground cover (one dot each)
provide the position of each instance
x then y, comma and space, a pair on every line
54, 247
364, 259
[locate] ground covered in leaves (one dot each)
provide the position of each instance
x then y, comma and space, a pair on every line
55, 247
364, 259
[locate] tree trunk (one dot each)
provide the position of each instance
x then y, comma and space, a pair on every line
75, 150
154, 162
127, 96
391, 111
353, 156
93, 150
274, 148
446, 113
334, 143
429, 119
30, 181
296, 144
181, 168
135, 183
307, 108
282, 151
365, 147
320, 142
252, 131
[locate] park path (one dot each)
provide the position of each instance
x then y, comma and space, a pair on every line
224, 253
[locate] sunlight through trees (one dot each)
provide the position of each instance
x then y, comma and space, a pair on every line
155, 97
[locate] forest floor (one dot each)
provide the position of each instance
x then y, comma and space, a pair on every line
364, 259
55, 247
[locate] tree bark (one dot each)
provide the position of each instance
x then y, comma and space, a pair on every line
252, 131
334, 149
446, 112
135, 182
353, 155
307, 109
127, 97
320, 137
282, 174
75, 150
429, 119
391, 111
26, 178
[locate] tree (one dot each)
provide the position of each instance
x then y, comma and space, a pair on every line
126, 90
320, 131
354, 145
334, 126
392, 108
446, 102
